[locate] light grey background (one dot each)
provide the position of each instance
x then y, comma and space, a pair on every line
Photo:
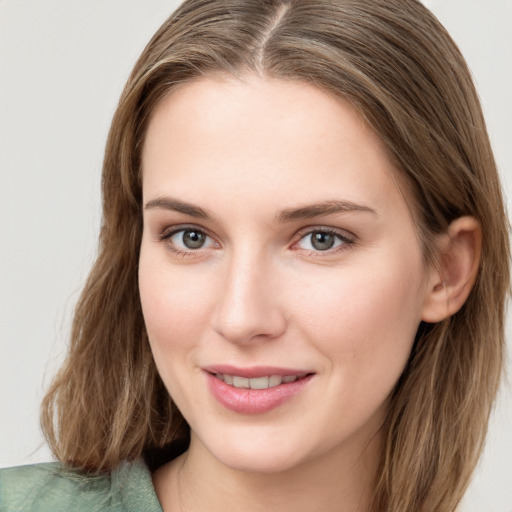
63, 64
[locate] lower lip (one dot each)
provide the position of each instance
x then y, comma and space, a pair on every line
254, 401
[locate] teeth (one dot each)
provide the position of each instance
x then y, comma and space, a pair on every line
274, 380
256, 383
259, 383
240, 382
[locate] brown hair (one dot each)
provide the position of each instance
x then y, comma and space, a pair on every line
400, 69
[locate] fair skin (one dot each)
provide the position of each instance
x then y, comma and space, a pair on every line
276, 241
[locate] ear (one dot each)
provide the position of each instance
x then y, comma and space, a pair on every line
458, 260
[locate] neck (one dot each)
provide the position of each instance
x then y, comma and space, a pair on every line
338, 481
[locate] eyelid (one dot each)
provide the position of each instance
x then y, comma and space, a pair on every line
172, 230
343, 233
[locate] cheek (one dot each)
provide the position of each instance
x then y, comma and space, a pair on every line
175, 313
365, 319
365, 328
175, 307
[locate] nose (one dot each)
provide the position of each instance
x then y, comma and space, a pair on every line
249, 305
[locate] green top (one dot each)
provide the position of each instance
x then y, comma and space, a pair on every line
52, 487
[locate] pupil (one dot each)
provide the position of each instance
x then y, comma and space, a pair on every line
322, 241
193, 239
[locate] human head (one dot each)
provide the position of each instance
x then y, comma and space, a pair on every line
397, 66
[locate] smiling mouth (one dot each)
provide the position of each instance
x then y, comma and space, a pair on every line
255, 390
270, 381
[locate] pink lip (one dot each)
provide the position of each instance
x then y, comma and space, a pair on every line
255, 371
255, 401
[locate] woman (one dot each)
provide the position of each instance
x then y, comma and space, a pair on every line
304, 245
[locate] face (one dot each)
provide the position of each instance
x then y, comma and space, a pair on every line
281, 279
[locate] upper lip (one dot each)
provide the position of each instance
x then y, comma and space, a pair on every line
254, 372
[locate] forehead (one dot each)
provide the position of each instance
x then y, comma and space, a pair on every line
256, 106
285, 140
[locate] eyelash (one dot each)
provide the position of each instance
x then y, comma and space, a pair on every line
343, 239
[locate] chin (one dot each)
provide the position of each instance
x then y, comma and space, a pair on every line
250, 450
263, 462
257, 453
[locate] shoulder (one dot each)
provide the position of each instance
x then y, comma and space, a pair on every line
54, 487
50, 486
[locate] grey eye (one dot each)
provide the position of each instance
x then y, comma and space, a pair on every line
190, 239
193, 239
319, 240
322, 241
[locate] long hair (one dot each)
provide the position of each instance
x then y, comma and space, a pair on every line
395, 63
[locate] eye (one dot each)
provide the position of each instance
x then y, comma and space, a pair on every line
323, 240
188, 239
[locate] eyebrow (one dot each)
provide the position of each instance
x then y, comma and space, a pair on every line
288, 215
169, 203
325, 208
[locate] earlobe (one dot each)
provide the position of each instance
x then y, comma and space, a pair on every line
452, 279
